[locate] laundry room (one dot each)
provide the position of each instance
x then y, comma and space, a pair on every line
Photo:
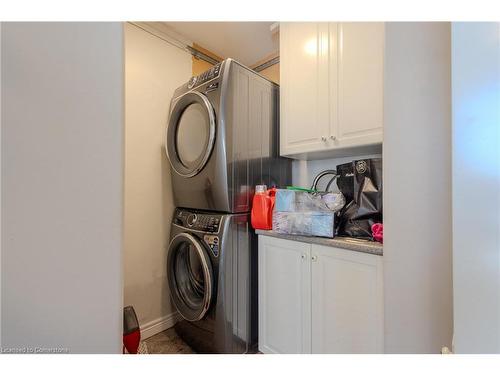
160, 64
247, 158
250, 187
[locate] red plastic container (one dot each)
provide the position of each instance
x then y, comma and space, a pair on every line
262, 207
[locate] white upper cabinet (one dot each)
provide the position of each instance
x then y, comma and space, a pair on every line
304, 74
331, 87
360, 84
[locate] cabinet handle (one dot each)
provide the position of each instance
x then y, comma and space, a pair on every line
314, 258
323, 139
333, 138
304, 256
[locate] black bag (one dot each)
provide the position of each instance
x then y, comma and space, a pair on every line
361, 183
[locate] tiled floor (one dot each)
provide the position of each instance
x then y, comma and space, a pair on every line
167, 342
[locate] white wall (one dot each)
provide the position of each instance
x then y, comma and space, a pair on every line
62, 182
476, 186
153, 70
417, 188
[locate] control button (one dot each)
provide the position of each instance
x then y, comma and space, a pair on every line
191, 219
192, 81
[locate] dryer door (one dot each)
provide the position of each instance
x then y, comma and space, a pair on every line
190, 134
190, 276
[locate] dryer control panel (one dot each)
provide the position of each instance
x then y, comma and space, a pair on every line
199, 221
205, 76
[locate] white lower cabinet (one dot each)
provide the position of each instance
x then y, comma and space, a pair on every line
347, 301
284, 296
318, 299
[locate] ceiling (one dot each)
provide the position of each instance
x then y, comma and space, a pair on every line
246, 42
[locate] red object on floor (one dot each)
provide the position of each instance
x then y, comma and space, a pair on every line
378, 232
131, 331
262, 208
131, 341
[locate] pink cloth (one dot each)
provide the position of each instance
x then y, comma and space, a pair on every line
378, 232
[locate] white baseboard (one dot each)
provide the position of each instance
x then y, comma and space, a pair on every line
158, 325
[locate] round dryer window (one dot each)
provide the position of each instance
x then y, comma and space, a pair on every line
190, 134
189, 276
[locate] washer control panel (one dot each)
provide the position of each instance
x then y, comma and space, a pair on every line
198, 221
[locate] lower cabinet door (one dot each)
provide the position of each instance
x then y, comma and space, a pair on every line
284, 296
347, 301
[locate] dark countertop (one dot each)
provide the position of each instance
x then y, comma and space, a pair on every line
363, 246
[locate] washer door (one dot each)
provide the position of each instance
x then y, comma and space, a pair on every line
190, 276
190, 134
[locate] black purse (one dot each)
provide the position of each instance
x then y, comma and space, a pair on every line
361, 183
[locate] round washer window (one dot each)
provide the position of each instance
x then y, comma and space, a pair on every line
190, 276
188, 273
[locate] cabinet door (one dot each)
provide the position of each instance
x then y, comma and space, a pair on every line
360, 84
304, 90
347, 301
284, 296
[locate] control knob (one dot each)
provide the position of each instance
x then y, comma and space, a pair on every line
191, 219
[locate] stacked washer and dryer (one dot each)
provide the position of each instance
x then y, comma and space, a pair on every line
221, 140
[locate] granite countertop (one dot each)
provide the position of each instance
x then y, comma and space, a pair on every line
363, 246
